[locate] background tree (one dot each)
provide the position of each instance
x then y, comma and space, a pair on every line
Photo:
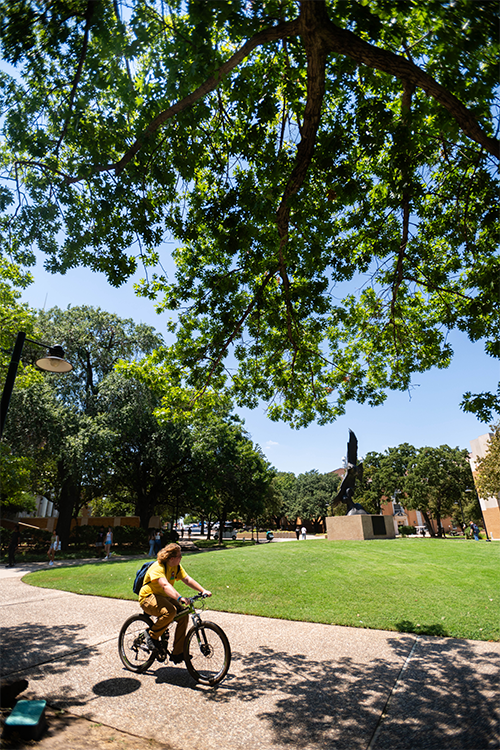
436, 482
285, 484
14, 316
15, 471
15, 485
37, 427
314, 495
307, 496
94, 342
384, 477
488, 467
53, 420
288, 147
148, 463
233, 477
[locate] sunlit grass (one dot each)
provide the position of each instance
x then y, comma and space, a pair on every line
428, 586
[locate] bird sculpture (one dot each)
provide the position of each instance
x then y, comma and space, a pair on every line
353, 471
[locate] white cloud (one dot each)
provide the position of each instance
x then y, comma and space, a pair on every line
270, 444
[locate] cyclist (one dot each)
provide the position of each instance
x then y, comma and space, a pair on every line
159, 598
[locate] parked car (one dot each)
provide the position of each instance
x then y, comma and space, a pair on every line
228, 533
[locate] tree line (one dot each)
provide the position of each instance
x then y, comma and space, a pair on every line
104, 437
436, 481
98, 436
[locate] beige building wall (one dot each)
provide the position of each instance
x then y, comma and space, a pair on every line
489, 505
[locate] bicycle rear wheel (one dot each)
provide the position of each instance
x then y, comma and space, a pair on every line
132, 648
207, 653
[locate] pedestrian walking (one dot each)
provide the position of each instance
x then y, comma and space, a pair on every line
157, 542
13, 545
304, 532
99, 542
151, 544
108, 541
474, 530
54, 546
297, 532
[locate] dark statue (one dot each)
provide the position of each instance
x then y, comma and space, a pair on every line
353, 471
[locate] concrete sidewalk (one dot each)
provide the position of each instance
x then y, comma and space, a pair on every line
313, 686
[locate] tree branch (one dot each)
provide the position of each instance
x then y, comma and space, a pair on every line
408, 90
309, 21
236, 329
263, 37
344, 42
88, 18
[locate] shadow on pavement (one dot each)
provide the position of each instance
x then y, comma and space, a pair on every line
447, 699
323, 704
30, 644
117, 686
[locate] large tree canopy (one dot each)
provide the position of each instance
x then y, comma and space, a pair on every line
288, 147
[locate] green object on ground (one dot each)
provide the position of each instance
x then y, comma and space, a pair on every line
28, 719
426, 586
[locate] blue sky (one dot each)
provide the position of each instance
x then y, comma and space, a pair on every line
430, 417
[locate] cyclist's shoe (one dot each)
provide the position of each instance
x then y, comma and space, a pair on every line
152, 645
177, 658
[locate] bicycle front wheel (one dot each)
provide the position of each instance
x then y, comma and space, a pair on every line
207, 653
132, 648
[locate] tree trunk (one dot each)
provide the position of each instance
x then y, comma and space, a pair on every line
222, 522
440, 528
67, 499
428, 522
144, 508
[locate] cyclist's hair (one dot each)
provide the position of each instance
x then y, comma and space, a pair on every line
171, 550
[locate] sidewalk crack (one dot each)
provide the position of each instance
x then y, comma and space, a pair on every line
385, 710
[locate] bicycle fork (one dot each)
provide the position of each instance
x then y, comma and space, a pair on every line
201, 636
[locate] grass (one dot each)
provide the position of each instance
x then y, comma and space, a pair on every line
425, 586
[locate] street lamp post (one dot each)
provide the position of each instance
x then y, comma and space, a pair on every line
53, 362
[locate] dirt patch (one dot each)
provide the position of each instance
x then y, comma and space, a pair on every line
67, 732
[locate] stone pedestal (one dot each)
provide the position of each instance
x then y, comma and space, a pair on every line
354, 528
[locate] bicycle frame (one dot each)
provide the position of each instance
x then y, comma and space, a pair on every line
191, 610
207, 662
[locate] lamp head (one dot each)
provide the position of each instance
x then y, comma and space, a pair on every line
54, 361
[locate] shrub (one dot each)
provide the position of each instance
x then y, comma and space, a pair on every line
83, 535
39, 537
130, 535
407, 530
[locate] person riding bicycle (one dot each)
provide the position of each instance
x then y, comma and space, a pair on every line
159, 598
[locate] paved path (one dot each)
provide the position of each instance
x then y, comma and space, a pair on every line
312, 686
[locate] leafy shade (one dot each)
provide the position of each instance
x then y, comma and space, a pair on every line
288, 147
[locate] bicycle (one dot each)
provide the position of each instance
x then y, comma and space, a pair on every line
207, 653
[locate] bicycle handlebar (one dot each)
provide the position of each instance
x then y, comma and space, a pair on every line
192, 599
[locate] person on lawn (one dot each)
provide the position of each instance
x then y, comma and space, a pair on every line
159, 598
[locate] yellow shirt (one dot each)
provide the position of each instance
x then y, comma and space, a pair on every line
156, 571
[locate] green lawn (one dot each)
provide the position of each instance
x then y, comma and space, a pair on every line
429, 586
